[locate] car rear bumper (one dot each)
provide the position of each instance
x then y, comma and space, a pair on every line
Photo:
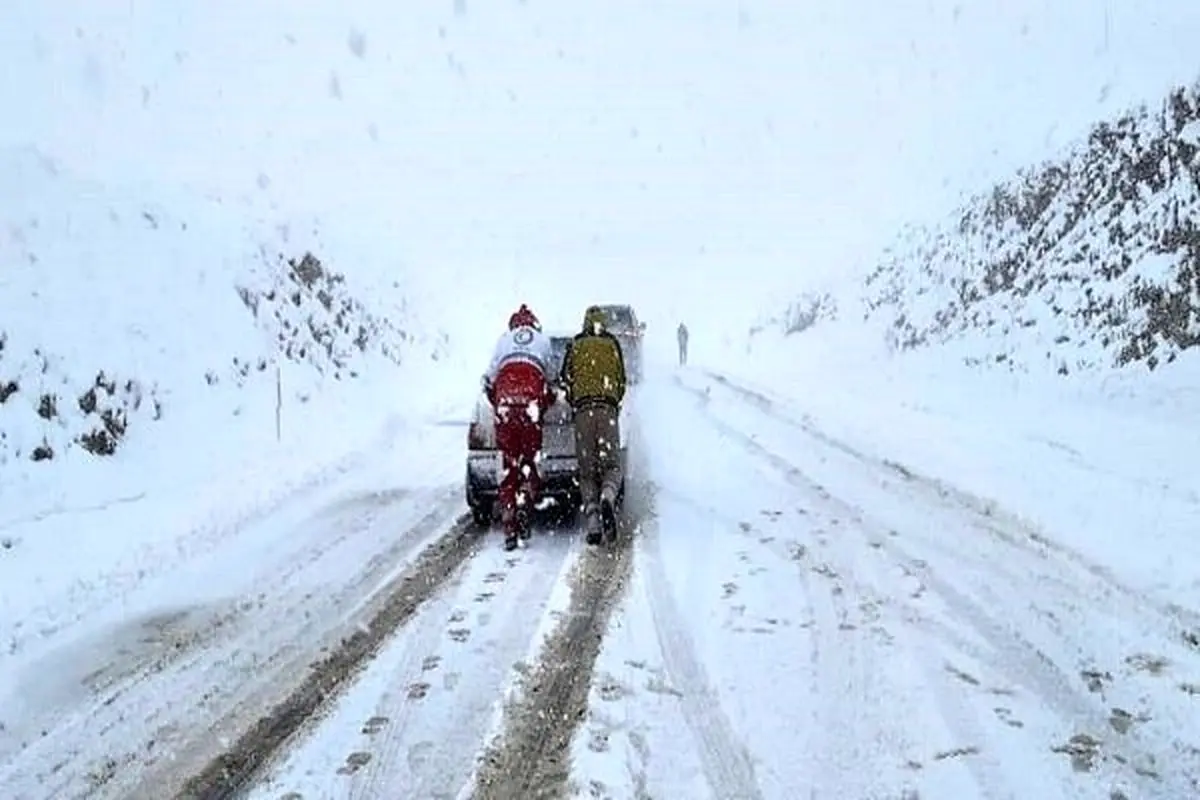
559, 474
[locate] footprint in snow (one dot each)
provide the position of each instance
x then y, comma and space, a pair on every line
610, 689
1095, 679
1083, 750
1122, 721
1146, 662
354, 762
598, 741
1005, 715
657, 683
374, 725
962, 675
957, 752
459, 634
598, 790
826, 571
430, 663
418, 690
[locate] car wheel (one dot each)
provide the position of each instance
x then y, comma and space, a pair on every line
568, 511
481, 512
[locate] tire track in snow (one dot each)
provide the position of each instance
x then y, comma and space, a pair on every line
960, 720
726, 761
843, 690
149, 681
997, 521
232, 772
513, 587
531, 757
1052, 563
1013, 652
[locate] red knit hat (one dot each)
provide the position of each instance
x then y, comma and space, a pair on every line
524, 318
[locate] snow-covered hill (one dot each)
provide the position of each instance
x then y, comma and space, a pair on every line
132, 315
1086, 263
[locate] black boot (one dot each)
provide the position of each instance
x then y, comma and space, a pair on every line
511, 521
608, 515
595, 531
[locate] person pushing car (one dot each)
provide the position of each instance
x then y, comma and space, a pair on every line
520, 393
593, 376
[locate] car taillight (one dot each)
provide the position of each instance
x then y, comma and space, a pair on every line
475, 437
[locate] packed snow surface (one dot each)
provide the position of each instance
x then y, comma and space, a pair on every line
813, 586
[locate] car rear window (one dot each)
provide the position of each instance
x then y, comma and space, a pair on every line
558, 348
619, 316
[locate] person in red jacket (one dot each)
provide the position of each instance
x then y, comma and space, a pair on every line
520, 392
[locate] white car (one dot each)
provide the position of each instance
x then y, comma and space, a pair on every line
558, 467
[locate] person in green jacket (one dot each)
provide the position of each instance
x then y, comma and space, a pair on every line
593, 376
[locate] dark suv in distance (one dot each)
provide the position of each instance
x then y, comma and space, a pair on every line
623, 323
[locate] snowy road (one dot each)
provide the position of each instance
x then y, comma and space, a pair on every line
169, 666
789, 616
811, 620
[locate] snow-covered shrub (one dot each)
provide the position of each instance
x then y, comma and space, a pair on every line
801, 314
1088, 262
313, 318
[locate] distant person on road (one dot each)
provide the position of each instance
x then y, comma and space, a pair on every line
593, 375
520, 393
682, 335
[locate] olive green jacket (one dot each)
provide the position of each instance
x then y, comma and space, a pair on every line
593, 370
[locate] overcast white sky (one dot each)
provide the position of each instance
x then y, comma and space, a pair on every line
735, 151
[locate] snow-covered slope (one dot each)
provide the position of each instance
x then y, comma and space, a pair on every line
134, 315
1089, 262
